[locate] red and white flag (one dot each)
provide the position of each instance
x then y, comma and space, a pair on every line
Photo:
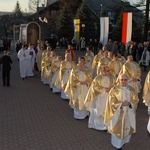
126, 27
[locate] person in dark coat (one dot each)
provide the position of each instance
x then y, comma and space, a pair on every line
6, 67
18, 46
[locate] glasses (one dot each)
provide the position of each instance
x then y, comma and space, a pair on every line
123, 79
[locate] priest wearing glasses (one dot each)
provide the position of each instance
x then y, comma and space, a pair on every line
120, 112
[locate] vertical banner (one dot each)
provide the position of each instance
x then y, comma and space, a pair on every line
104, 29
23, 32
126, 27
77, 29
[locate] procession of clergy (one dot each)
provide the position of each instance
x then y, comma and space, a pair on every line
104, 87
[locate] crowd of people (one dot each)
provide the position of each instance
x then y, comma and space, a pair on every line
5, 43
103, 87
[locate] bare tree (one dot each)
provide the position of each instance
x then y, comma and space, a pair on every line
34, 4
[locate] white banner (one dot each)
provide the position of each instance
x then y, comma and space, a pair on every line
104, 29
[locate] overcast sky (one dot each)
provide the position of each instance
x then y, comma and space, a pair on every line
9, 5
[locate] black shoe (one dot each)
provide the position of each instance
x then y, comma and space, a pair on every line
8, 85
119, 148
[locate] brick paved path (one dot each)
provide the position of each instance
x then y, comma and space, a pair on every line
33, 118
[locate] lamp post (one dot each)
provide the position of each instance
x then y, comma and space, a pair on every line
83, 26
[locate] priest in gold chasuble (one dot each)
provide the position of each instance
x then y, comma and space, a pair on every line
146, 97
104, 61
115, 66
77, 88
64, 73
133, 71
120, 112
55, 68
45, 64
96, 98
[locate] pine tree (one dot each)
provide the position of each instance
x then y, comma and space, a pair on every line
65, 23
17, 10
137, 32
117, 31
86, 18
73, 4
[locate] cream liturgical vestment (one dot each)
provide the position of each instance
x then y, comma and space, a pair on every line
96, 100
120, 120
103, 62
77, 92
45, 66
95, 61
63, 76
39, 59
146, 97
52, 58
88, 60
122, 59
30, 57
133, 70
115, 67
22, 62
55, 67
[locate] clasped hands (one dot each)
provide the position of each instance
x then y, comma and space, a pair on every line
134, 79
83, 83
126, 103
107, 90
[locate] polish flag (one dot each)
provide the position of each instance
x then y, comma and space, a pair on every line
126, 27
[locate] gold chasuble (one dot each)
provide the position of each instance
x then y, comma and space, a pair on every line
65, 69
146, 90
115, 67
45, 65
54, 69
121, 119
97, 88
103, 62
133, 70
96, 60
75, 90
